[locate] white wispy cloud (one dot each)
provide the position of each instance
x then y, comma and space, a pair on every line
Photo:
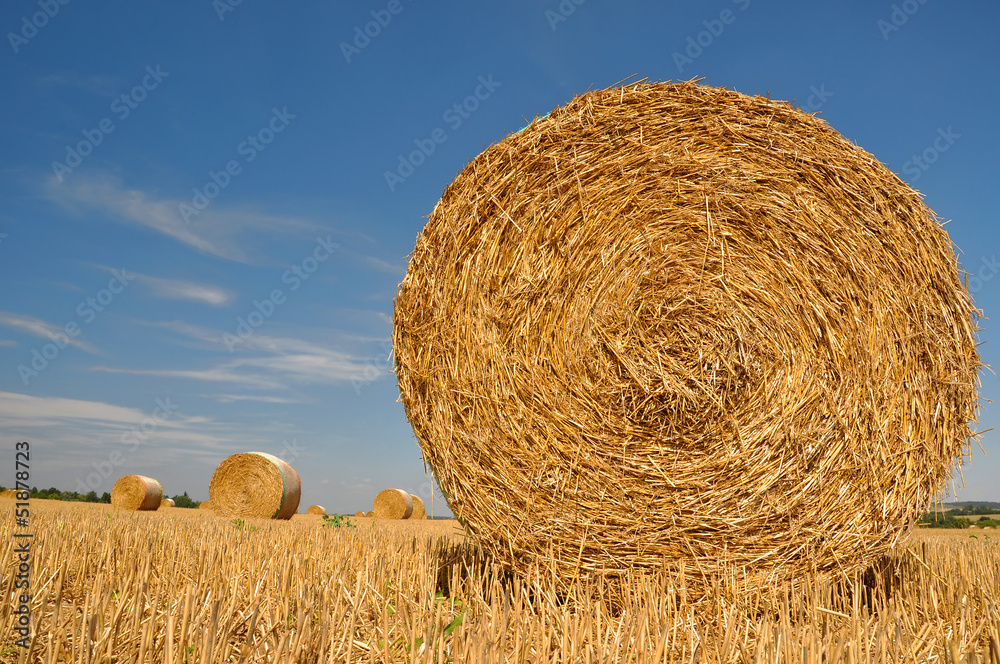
215, 231
274, 363
77, 438
231, 398
177, 289
39, 328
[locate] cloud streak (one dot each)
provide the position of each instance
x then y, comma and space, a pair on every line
39, 328
176, 289
215, 233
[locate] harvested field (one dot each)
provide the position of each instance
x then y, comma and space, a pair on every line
180, 586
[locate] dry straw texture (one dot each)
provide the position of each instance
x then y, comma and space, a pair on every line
418, 508
150, 588
670, 322
137, 492
393, 504
316, 509
255, 484
359, 514
205, 505
167, 502
9, 493
370, 513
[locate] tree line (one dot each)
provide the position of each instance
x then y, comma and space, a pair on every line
53, 493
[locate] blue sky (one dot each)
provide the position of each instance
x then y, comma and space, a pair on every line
199, 242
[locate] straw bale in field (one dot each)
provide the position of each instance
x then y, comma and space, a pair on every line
137, 492
167, 502
393, 504
255, 484
205, 505
370, 513
9, 493
670, 322
316, 509
359, 514
418, 508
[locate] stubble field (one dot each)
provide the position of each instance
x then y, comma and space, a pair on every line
186, 586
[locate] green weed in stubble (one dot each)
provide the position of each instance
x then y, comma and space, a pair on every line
337, 521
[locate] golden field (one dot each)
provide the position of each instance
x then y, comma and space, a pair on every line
186, 586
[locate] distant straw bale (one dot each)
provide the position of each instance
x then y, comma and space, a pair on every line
359, 514
205, 505
393, 504
137, 492
255, 485
9, 493
372, 513
418, 508
316, 509
674, 324
167, 502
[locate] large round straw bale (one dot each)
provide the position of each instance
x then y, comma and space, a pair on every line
205, 505
418, 508
136, 492
670, 323
255, 484
316, 509
393, 504
167, 502
9, 493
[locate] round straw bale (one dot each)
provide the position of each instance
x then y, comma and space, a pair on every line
359, 514
370, 513
674, 324
393, 504
418, 508
205, 505
255, 484
9, 493
167, 502
316, 509
136, 492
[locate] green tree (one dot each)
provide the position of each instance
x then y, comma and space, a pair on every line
184, 501
105, 497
